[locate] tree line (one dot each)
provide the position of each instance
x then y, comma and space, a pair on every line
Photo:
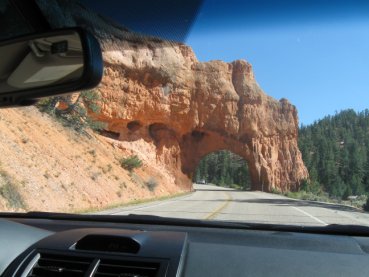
224, 168
335, 151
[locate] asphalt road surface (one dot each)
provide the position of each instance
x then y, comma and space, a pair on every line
212, 202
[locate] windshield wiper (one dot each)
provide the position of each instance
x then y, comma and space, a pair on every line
332, 229
131, 218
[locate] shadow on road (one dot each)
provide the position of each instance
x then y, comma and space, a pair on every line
298, 203
224, 190
282, 202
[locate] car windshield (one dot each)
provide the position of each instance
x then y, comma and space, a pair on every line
247, 111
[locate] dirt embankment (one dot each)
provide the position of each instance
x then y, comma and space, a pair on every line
45, 166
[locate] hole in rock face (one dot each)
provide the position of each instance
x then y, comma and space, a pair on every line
197, 135
110, 134
155, 128
246, 138
134, 125
160, 132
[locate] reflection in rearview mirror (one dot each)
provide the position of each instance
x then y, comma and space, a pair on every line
47, 64
40, 62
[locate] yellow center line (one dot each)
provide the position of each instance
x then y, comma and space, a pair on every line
219, 209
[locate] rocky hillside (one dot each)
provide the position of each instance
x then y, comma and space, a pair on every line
46, 166
160, 103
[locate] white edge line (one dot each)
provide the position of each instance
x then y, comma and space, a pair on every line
167, 201
309, 215
361, 221
140, 208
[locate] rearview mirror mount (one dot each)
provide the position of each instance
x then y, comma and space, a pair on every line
47, 64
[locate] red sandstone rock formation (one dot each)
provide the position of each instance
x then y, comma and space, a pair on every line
159, 92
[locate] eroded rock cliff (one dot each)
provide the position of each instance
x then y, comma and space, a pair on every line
158, 93
188, 109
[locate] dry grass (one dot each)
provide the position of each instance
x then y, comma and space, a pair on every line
134, 202
9, 191
309, 196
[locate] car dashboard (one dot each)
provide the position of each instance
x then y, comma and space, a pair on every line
54, 247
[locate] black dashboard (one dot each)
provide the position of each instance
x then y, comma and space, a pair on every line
47, 247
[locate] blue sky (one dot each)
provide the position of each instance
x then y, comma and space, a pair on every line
313, 52
317, 60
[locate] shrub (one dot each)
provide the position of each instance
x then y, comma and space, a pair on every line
48, 104
95, 176
366, 205
76, 114
151, 184
96, 126
347, 193
236, 186
9, 191
276, 191
130, 163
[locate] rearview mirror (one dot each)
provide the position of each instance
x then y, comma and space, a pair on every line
39, 65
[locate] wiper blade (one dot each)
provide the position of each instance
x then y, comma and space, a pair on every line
332, 229
131, 218
188, 222
348, 229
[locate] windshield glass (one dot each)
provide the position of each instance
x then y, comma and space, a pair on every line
234, 111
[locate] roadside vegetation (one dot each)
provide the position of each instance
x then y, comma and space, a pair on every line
9, 191
72, 110
151, 184
133, 202
131, 163
335, 150
306, 194
366, 205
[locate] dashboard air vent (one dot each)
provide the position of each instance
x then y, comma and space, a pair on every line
114, 268
108, 244
60, 265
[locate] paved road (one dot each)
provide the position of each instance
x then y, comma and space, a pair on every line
212, 202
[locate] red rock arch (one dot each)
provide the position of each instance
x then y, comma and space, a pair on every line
188, 109
194, 148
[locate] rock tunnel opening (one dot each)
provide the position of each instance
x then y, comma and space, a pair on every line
223, 168
134, 125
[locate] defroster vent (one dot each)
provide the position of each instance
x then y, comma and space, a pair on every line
60, 265
115, 268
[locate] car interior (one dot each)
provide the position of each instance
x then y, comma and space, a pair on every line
60, 244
